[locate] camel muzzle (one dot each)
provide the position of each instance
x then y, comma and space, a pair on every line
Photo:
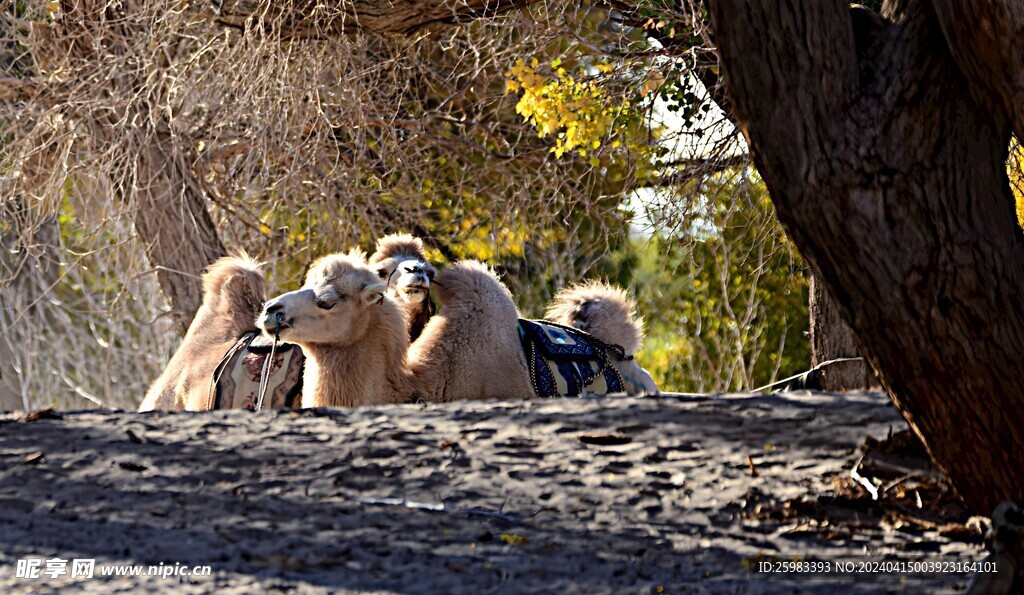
273, 319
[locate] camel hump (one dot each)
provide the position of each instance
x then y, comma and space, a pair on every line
601, 309
238, 278
470, 282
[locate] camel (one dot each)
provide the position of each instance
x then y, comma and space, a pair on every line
233, 292
352, 333
402, 255
609, 314
473, 349
470, 349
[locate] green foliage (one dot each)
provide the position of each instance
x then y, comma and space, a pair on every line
544, 209
681, 97
726, 300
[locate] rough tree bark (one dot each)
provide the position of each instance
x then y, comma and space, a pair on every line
308, 18
173, 221
889, 174
832, 340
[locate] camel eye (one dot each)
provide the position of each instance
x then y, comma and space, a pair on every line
324, 304
382, 273
430, 275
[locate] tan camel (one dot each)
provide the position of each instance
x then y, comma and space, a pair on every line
233, 292
609, 314
473, 347
352, 333
470, 349
402, 265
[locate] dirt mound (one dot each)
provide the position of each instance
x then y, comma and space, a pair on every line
599, 495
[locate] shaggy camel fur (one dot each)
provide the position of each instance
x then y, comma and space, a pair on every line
402, 265
233, 292
470, 349
608, 313
352, 333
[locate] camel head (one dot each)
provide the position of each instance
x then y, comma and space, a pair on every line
333, 307
410, 281
402, 266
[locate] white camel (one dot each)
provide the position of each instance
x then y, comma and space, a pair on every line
402, 265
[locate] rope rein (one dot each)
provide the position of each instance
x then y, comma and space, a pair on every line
269, 362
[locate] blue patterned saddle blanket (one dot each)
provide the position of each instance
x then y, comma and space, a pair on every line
567, 362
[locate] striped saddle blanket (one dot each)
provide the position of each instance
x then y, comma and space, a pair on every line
236, 381
567, 362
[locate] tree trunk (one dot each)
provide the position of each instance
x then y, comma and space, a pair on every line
833, 341
890, 177
10, 384
173, 221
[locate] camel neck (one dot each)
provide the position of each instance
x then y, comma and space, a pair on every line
351, 376
372, 370
417, 316
208, 327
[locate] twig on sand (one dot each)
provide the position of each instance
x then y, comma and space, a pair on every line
868, 485
884, 466
896, 482
604, 439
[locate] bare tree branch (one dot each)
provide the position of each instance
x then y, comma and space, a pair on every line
317, 19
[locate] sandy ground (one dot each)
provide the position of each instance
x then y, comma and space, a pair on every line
640, 495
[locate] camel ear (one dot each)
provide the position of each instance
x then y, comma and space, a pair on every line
374, 294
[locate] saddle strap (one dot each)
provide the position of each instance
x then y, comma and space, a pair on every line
213, 399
